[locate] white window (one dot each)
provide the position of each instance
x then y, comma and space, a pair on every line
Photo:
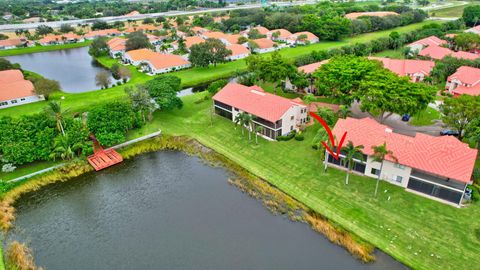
375, 171
399, 179
291, 117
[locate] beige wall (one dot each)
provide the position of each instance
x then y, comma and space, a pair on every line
390, 171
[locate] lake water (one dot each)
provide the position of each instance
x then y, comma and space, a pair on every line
168, 210
74, 69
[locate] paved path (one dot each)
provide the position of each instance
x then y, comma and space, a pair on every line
396, 123
56, 24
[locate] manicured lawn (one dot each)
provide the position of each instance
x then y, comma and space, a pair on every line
425, 117
419, 232
396, 54
82, 101
43, 48
28, 169
450, 12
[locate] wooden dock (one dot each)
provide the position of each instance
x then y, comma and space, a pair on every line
103, 158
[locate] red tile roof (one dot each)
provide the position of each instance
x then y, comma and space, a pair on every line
466, 74
140, 54
232, 39
161, 61
14, 86
12, 42
145, 27
444, 156
435, 52
116, 44
283, 33
465, 55
464, 90
309, 69
238, 49
99, 33
217, 35
262, 30
255, 100
190, 41
309, 35
404, 67
429, 41
264, 43
355, 15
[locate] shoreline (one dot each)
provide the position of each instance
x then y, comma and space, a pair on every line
271, 197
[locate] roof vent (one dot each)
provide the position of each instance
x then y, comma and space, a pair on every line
257, 92
388, 130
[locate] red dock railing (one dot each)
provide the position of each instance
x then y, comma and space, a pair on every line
103, 158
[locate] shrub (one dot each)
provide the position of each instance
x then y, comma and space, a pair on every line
287, 137
299, 137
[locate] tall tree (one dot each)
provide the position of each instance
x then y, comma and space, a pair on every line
321, 136
55, 111
103, 79
379, 154
98, 47
471, 15
212, 51
351, 152
458, 112
137, 40
45, 86
472, 131
163, 90
141, 101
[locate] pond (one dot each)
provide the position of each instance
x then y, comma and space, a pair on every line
168, 210
74, 69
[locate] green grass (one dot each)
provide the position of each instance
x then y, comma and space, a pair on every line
449, 12
425, 117
395, 54
2, 264
419, 232
27, 169
39, 48
270, 87
190, 77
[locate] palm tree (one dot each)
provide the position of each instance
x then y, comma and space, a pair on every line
239, 121
54, 109
248, 121
379, 154
351, 152
320, 137
258, 129
62, 149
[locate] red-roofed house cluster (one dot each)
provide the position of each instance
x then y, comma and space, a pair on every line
437, 167
466, 80
276, 115
15, 90
154, 62
432, 47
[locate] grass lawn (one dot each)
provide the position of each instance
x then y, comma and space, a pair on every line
449, 12
395, 54
419, 232
425, 117
28, 169
269, 87
190, 77
39, 48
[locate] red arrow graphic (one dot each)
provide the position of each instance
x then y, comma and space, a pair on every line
330, 135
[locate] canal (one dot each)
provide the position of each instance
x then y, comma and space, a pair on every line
168, 210
74, 69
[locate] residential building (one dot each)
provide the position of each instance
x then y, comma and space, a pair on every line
283, 35
116, 47
147, 28
356, 15
261, 30
417, 70
154, 40
189, 42
161, 63
238, 52
466, 80
435, 167
13, 43
438, 53
102, 33
303, 38
136, 57
230, 39
199, 30
417, 46
276, 115
15, 90
60, 39
475, 30
264, 45
308, 70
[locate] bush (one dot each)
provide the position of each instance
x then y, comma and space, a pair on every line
287, 137
216, 85
299, 137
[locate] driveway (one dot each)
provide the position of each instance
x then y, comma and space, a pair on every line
396, 123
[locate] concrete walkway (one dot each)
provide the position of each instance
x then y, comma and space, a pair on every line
396, 123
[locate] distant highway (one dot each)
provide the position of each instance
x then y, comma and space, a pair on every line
56, 24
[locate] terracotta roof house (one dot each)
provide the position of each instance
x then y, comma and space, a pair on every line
116, 46
154, 40
276, 115
303, 38
213, 34
355, 15
310, 68
13, 43
283, 34
15, 90
60, 39
264, 45
136, 57
466, 80
148, 28
420, 44
161, 63
435, 167
238, 52
438, 53
133, 13
417, 70
261, 30
102, 33
475, 30
230, 39
199, 30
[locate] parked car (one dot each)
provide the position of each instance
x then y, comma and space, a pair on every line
406, 117
449, 132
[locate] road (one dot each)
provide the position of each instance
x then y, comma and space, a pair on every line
56, 24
